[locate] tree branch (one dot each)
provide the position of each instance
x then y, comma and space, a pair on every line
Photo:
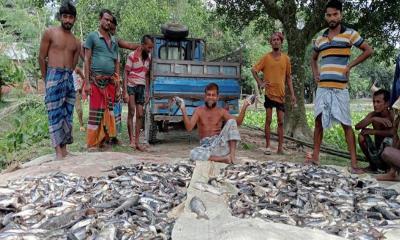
316, 22
273, 9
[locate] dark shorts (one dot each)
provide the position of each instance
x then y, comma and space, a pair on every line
273, 104
138, 92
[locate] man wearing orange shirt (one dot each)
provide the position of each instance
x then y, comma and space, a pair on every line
276, 68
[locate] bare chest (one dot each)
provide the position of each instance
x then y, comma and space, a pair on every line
63, 42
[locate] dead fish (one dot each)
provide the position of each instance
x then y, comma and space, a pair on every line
127, 204
197, 206
208, 188
316, 197
107, 233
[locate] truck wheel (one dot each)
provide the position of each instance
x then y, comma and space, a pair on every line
174, 30
153, 129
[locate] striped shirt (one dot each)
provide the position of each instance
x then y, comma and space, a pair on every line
136, 69
334, 56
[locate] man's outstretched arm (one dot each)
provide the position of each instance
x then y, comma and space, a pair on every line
239, 119
127, 45
190, 123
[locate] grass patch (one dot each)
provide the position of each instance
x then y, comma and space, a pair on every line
333, 137
24, 132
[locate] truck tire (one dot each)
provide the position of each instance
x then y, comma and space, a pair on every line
174, 30
153, 130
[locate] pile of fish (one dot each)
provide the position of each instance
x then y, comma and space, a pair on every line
132, 202
314, 197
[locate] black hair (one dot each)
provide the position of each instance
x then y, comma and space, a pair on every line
385, 93
67, 8
212, 86
103, 11
147, 37
334, 4
114, 21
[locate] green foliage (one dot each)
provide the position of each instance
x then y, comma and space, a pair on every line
333, 137
29, 126
21, 28
9, 73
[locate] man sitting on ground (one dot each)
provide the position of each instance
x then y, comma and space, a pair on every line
391, 155
217, 144
381, 120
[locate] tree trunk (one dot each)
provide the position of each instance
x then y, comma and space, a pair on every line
295, 123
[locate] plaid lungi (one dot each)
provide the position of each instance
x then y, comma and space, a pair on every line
216, 145
101, 123
59, 100
375, 152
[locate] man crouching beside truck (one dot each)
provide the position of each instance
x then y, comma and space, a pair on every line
217, 143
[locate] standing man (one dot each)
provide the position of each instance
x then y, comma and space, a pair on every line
217, 143
136, 87
332, 103
118, 94
61, 48
276, 68
381, 120
101, 79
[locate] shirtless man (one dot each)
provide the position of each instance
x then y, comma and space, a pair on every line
61, 48
381, 120
391, 155
216, 144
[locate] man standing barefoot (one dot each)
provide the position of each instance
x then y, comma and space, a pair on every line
136, 87
332, 102
61, 48
101, 79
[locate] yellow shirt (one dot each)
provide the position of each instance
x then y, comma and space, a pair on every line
275, 72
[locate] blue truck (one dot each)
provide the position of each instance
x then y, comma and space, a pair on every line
179, 68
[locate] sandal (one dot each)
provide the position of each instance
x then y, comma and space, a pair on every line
268, 151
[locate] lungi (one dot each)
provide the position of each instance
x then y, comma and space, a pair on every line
59, 100
216, 145
334, 105
375, 152
101, 123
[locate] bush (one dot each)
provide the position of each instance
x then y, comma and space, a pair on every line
29, 126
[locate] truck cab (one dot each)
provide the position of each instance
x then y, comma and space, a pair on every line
179, 68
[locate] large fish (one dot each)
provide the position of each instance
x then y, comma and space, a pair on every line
197, 206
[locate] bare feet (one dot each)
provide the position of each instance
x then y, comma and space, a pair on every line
389, 176
310, 159
140, 148
356, 170
225, 159
59, 157
92, 149
281, 152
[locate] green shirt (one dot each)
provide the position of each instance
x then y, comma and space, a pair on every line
103, 56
